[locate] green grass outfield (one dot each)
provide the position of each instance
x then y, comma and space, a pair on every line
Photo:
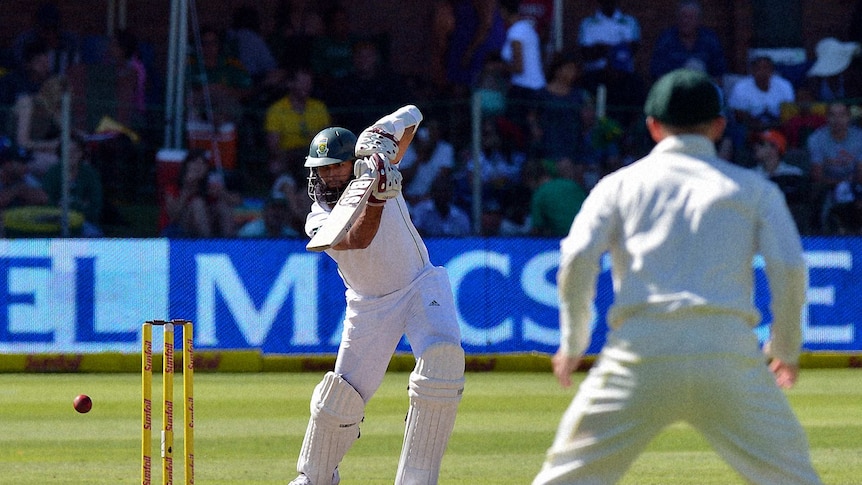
249, 427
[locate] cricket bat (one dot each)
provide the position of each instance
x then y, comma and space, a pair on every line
352, 202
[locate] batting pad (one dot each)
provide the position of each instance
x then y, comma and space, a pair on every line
336, 411
436, 386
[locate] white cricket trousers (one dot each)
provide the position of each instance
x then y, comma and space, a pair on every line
708, 372
424, 312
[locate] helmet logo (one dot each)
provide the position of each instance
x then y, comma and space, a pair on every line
322, 147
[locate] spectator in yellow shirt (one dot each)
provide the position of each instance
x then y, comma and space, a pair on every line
294, 119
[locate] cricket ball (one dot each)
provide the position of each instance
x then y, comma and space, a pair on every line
83, 403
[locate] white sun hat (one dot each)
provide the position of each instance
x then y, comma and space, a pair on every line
833, 57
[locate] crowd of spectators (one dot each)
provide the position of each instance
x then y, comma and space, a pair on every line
553, 122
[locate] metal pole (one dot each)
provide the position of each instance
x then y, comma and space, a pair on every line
110, 18
171, 74
65, 134
476, 118
558, 25
121, 21
182, 52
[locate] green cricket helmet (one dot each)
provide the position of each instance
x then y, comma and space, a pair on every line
330, 146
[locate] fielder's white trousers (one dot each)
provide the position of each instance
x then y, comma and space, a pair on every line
424, 312
706, 371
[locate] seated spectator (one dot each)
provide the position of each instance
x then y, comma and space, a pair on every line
492, 86
36, 120
625, 91
464, 34
62, 46
295, 118
28, 77
426, 159
85, 188
273, 223
199, 206
439, 216
770, 147
223, 75
845, 216
332, 51
287, 173
609, 34
124, 54
599, 146
556, 198
372, 88
556, 117
297, 25
826, 76
250, 47
801, 118
18, 187
756, 99
688, 44
835, 150
500, 167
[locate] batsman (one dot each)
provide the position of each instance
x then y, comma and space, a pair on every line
393, 290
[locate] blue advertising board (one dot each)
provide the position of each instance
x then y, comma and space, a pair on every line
82, 296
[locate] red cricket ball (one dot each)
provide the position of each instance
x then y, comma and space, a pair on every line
83, 403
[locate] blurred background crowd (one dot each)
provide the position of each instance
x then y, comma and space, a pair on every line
527, 104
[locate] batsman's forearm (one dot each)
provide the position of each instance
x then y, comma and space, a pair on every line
363, 230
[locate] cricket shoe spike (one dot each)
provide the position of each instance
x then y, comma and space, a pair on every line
302, 479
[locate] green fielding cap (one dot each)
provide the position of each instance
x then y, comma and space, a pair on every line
684, 97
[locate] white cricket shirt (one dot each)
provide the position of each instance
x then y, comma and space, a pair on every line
393, 260
682, 227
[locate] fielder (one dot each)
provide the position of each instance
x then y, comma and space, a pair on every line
392, 290
682, 227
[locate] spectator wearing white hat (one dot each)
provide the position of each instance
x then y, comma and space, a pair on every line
827, 76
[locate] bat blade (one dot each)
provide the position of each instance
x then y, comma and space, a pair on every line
344, 214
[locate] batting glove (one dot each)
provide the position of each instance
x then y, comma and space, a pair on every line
375, 140
389, 179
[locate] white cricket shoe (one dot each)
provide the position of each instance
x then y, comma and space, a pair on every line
302, 479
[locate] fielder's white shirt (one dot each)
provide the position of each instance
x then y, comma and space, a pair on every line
682, 227
394, 259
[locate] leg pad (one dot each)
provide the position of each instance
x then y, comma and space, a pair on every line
436, 386
336, 411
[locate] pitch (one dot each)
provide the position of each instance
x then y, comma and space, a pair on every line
247, 424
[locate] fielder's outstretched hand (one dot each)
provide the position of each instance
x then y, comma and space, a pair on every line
564, 365
785, 374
